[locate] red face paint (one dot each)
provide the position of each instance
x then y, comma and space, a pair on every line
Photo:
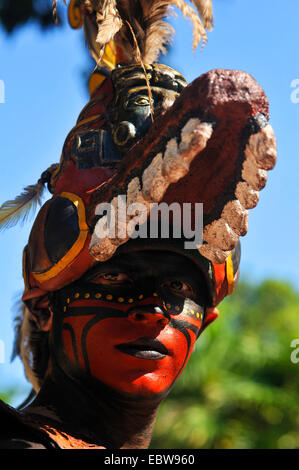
122, 370
139, 344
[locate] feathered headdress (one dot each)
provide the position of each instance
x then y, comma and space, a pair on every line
137, 27
116, 31
218, 124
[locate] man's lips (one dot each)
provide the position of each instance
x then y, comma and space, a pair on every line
144, 348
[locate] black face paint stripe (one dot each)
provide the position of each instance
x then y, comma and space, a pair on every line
97, 316
85, 331
100, 313
69, 328
182, 326
188, 339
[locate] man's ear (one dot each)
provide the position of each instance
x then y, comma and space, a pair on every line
211, 314
41, 313
45, 323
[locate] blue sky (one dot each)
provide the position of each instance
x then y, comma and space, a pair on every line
44, 93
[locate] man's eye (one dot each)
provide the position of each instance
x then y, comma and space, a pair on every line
179, 287
111, 278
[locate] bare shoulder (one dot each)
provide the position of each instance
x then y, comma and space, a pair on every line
15, 433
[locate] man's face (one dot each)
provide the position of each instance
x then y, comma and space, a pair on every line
132, 322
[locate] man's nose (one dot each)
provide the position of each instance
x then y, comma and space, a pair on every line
149, 316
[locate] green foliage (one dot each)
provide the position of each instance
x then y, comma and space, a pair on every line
240, 388
8, 395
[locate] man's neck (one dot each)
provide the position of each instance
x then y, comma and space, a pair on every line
95, 413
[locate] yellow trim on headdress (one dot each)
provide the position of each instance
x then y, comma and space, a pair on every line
96, 79
109, 58
77, 246
88, 120
230, 275
108, 61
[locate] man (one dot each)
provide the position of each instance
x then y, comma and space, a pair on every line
119, 337
110, 320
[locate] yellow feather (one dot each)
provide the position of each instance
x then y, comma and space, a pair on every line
109, 58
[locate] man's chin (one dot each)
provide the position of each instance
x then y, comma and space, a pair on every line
148, 386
